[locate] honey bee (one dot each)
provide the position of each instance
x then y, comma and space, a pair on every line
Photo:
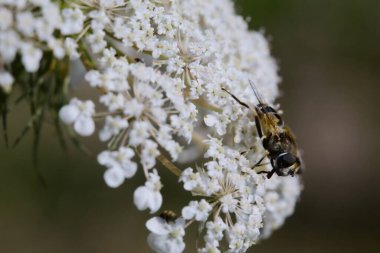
168, 216
277, 139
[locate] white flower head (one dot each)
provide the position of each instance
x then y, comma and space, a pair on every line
71, 48
192, 180
31, 57
73, 20
6, 20
25, 23
166, 237
120, 165
232, 200
57, 47
6, 81
162, 69
149, 195
139, 133
79, 113
197, 210
113, 126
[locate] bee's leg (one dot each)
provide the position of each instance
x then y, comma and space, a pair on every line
236, 99
246, 151
270, 174
258, 163
258, 127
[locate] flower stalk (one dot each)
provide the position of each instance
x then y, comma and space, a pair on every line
169, 165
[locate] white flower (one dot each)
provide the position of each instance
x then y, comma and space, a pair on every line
57, 47
31, 57
121, 30
215, 230
229, 203
43, 29
215, 148
9, 44
71, 48
109, 57
211, 247
97, 41
112, 101
69, 113
133, 108
237, 238
94, 78
149, 196
112, 127
25, 23
214, 170
6, 20
219, 122
149, 154
73, 20
50, 9
280, 198
197, 210
166, 237
99, 19
6, 81
119, 164
233, 198
139, 133
191, 180
80, 114
84, 126
114, 177
109, 4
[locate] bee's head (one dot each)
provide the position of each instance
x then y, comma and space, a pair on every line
287, 164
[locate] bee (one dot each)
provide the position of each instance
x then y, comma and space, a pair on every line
168, 216
277, 138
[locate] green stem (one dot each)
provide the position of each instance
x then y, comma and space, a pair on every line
169, 165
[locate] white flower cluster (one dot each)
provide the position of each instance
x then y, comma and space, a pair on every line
166, 237
235, 204
230, 196
280, 198
79, 114
236, 201
27, 28
161, 67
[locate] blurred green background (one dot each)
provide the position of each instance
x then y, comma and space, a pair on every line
329, 56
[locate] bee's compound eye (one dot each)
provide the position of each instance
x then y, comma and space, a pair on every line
285, 160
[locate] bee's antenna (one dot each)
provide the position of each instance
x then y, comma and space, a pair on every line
257, 94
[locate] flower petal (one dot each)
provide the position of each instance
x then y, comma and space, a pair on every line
155, 202
210, 120
84, 126
157, 243
157, 226
114, 177
68, 114
188, 212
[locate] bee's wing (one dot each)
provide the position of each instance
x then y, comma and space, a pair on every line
257, 93
291, 137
